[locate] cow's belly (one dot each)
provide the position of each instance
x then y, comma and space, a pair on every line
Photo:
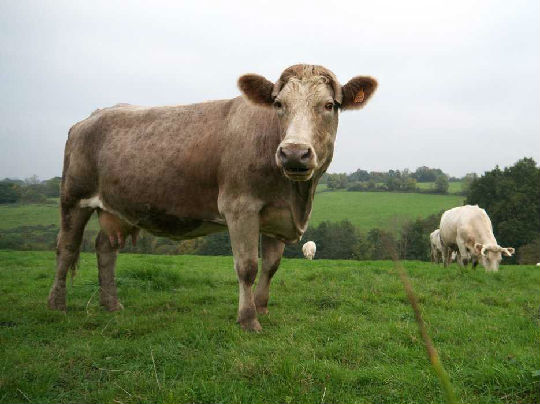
279, 223
174, 225
178, 228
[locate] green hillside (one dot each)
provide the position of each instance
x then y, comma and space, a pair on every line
364, 209
387, 210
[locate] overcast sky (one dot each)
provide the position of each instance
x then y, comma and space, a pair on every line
459, 81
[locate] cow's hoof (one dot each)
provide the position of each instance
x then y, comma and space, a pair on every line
57, 301
251, 325
262, 310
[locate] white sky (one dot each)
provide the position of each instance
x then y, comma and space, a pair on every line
459, 81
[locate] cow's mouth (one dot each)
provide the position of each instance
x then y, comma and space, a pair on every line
298, 174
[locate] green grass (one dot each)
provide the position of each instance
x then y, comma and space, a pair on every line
386, 210
453, 187
337, 332
15, 215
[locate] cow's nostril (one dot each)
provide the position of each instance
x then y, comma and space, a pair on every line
282, 154
306, 155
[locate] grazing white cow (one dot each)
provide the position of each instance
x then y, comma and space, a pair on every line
309, 250
468, 230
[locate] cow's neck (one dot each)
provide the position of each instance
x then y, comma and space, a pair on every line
303, 193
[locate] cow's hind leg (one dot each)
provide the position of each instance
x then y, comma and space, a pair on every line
73, 221
271, 251
106, 258
446, 255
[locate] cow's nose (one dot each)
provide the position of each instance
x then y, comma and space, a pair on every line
296, 156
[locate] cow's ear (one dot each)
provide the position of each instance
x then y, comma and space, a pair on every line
256, 89
357, 92
508, 251
479, 249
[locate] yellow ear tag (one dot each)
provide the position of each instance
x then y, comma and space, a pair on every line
359, 97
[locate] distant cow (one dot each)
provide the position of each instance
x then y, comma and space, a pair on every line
468, 230
309, 249
436, 247
249, 164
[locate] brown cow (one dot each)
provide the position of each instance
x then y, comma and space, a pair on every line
250, 164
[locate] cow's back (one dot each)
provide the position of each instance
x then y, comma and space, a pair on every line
164, 168
470, 223
149, 163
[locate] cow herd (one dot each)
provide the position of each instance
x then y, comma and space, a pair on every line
249, 165
466, 233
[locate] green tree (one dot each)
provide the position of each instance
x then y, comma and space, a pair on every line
51, 187
337, 181
467, 182
441, 184
426, 174
381, 244
8, 192
410, 184
32, 195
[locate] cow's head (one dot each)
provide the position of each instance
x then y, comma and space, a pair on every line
491, 255
306, 100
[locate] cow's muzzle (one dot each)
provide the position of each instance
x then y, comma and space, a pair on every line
297, 161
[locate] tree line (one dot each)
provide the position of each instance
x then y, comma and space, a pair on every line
30, 190
395, 180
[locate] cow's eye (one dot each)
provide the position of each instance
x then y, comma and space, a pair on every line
277, 104
329, 106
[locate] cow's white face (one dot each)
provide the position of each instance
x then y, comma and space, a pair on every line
491, 255
307, 100
491, 260
308, 117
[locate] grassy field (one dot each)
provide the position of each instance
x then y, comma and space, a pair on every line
386, 210
337, 332
365, 210
44, 214
14, 215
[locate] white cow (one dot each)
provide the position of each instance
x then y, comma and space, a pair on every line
309, 250
436, 246
468, 230
437, 249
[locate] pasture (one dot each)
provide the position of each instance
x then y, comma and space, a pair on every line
338, 331
385, 210
34, 214
366, 210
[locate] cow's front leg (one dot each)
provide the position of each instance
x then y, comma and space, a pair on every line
244, 233
271, 251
